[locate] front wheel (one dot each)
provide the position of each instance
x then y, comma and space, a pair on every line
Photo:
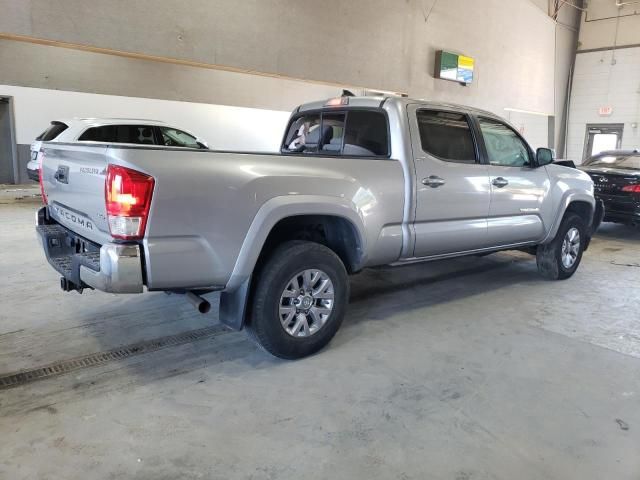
299, 300
560, 258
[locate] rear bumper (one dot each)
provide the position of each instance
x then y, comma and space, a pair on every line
621, 210
112, 267
622, 217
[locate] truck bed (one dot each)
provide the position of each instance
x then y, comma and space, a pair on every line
205, 202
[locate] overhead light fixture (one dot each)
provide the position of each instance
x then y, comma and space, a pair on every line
530, 112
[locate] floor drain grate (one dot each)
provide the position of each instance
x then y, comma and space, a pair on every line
15, 379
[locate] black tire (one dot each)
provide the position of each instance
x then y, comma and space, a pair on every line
264, 326
549, 256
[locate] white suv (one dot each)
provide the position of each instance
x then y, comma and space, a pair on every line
112, 130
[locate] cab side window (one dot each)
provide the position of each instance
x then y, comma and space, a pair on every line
316, 134
504, 147
302, 134
331, 133
366, 134
353, 133
446, 135
173, 137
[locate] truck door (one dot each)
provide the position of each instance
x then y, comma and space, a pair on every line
452, 186
517, 189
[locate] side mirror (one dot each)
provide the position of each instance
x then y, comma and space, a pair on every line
544, 156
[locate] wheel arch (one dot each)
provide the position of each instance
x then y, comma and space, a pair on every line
580, 203
337, 224
333, 231
303, 208
582, 208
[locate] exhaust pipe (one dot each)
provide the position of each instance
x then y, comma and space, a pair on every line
202, 305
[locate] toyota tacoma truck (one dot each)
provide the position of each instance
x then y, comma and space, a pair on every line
359, 182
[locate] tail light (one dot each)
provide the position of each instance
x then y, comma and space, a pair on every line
128, 198
44, 195
631, 188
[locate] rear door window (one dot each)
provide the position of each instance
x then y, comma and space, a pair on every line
446, 135
138, 134
348, 133
55, 129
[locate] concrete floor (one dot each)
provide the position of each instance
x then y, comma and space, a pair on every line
466, 369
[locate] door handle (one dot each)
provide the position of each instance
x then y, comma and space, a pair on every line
500, 182
433, 181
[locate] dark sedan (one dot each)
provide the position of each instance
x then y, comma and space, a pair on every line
616, 177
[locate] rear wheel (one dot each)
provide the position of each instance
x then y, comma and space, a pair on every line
299, 300
560, 258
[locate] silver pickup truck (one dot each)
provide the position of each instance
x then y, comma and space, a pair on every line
360, 182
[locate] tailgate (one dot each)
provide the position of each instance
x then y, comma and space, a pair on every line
73, 178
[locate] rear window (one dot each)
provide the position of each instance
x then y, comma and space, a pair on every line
628, 162
140, 134
350, 133
55, 129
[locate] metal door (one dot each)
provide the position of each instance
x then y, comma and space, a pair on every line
602, 136
517, 189
9, 172
452, 198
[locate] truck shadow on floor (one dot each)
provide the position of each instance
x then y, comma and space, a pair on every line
376, 295
617, 231
380, 294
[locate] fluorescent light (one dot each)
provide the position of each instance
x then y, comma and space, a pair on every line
530, 112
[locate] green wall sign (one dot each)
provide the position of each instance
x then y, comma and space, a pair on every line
455, 67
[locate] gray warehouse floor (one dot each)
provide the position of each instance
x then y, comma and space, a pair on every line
467, 369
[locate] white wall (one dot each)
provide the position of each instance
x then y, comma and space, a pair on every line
375, 44
224, 127
605, 78
533, 127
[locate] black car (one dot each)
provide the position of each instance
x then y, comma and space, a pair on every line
616, 177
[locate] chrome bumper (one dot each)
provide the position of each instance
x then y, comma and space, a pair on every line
112, 267
120, 270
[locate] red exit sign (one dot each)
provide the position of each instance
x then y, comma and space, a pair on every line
605, 111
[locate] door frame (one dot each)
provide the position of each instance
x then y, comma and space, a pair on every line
15, 164
588, 144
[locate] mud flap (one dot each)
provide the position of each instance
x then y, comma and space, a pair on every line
598, 215
233, 306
